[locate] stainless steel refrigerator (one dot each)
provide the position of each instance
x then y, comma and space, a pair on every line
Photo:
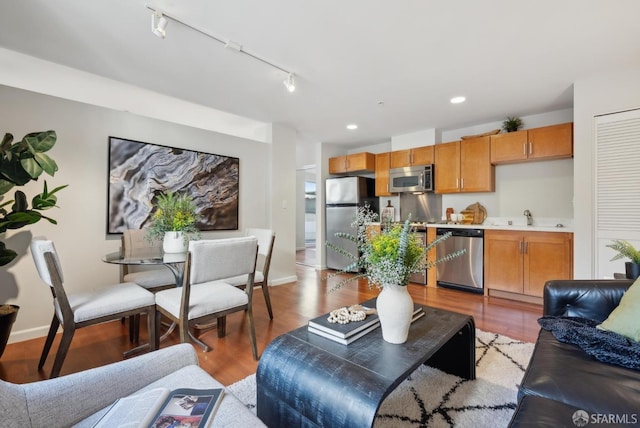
342, 198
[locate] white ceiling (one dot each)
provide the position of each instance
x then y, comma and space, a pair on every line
507, 57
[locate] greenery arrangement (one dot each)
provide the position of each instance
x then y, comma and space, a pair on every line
625, 250
20, 163
388, 257
173, 213
512, 124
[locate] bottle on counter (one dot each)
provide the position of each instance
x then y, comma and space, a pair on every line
449, 212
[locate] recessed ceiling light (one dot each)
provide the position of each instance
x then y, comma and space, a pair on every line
352, 126
458, 100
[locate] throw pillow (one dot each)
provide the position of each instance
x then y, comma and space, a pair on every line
625, 319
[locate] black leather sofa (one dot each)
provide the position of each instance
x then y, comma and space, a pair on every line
562, 379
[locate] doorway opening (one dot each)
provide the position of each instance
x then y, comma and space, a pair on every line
306, 248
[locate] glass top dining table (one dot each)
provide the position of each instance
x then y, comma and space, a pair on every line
173, 261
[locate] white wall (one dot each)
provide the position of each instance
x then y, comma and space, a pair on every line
608, 93
81, 153
281, 189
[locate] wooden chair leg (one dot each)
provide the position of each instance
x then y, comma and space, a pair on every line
267, 299
63, 348
151, 328
158, 324
222, 326
47, 344
252, 336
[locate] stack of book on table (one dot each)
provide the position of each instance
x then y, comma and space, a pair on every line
354, 330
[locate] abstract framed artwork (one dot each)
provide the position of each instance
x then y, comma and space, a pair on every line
139, 171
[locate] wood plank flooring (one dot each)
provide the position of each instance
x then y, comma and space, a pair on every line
293, 305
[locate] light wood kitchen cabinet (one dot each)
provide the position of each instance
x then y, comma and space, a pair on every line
412, 157
522, 262
549, 142
382, 174
464, 166
364, 161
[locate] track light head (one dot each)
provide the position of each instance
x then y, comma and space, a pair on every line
159, 24
290, 83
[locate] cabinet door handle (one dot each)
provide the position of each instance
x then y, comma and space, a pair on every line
524, 149
462, 183
457, 183
530, 147
526, 247
520, 247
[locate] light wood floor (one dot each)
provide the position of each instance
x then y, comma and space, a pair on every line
293, 305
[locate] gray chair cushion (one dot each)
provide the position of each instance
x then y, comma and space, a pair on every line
206, 298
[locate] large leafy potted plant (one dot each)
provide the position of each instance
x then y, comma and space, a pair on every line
387, 259
627, 251
174, 221
21, 162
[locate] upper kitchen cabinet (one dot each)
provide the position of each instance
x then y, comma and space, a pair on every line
382, 174
356, 162
412, 157
464, 166
549, 142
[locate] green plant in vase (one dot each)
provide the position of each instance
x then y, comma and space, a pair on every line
512, 124
387, 259
173, 213
20, 163
626, 250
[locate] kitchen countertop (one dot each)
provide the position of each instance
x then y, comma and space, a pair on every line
499, 223
534, 228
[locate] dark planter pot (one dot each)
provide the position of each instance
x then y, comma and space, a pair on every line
6, 322
632, 270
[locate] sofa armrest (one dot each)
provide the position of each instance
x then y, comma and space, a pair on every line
68, 399
586, 298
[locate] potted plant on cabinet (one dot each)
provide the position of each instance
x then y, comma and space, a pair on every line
512, 124
387, 259
20, 163
174, 221
627, 251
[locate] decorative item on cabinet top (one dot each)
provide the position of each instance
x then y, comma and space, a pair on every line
484, 134
474, 214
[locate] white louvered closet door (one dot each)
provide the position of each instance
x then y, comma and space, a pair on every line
617, 190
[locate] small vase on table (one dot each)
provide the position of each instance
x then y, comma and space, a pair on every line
174, 242
395, 310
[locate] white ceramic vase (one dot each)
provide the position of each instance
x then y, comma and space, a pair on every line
174, 242
395, 310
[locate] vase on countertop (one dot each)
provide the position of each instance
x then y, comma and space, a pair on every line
175, 242
395, 310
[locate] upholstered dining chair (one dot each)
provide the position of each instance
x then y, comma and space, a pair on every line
205, 296
266, 238
85, 308
154, 278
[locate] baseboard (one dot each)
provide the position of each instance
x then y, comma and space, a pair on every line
515, 296
283, 280
28, 334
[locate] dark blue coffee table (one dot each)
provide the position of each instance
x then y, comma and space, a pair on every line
306, 380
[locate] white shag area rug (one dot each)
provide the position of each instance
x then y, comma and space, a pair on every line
432, 398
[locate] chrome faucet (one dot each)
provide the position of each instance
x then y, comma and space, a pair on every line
527, 214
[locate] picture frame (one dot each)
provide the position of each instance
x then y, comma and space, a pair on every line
139, 171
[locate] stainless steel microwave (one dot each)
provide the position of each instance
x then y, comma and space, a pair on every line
411, 179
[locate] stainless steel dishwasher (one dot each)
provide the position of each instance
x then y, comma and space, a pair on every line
465, 272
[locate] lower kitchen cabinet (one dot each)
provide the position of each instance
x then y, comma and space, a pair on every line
522, 262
